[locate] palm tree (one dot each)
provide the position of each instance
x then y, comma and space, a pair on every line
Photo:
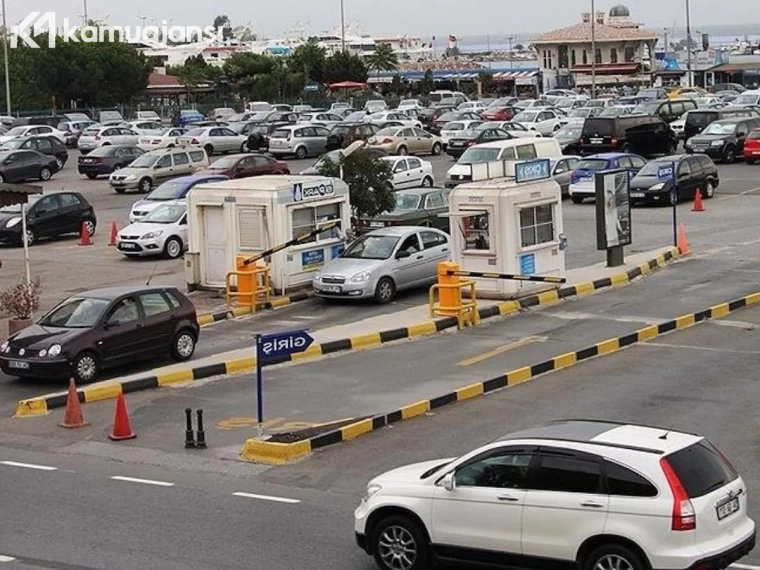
384, 59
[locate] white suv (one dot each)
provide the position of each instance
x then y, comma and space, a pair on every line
585, 494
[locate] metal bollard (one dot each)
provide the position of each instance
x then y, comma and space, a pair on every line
201, 434
189, 436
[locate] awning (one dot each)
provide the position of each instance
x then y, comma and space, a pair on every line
11, 194
606, 68
736, 67
512, 75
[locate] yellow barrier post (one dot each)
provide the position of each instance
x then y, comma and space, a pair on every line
450, 293
245, 280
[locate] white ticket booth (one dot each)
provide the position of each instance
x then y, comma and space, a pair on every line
249, 216
511, 224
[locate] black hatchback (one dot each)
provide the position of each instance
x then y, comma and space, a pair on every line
50, 215
21, 165
104, 328
44, 144
691, 173
470, 137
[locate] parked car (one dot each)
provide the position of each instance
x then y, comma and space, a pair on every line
617, 111
110, 117
167, 138
322, 119
696, 121
44, 144
246, 165
679, 125
416, 207
570, 103
258, 135
410, 172
668, 110
186, 116
455, 128
515, 129
562, 170
645, 135
300, 141
386, 116
446, 117
143, 128
335, 155
173, 189
542, 121
405, 140
578, 116
583, 179
747, 98
498, 114
49, 120
410, 104
752, 147
98, 135
148, 116
735, 87
215, 139
72, 130
569, 138
722, 140
382, 262
153, 167
107, 159
692, 173
21, 165
100, 329
222, 113
470, 137
344, 134
258, 106
375, 106
586, 494
49, 215
32, 130
162, 231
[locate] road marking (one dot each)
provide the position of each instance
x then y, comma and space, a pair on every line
29, 466
735, 324
577, 316
501, 350
267, 498
744, 567
734, 196
701, 348
143, 481
6, 558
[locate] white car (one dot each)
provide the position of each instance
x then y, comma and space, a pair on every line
146, 127
410, 104
579, 116
473, 106
410, 172
678, 125
166, 139
147, 116
514, 129
215, 139
32, 130
98, 135
375, 106
603, 102
593, 495
163, 231
323, 119
396, 116
544, 122
455, 128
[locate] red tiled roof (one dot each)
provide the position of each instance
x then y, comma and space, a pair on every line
163, 80
582, 33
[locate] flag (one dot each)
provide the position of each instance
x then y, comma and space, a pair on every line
452, 39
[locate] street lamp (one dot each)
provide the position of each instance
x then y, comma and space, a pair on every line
5, 58
688, 43
342, 26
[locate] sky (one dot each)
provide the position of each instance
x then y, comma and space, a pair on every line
418, 18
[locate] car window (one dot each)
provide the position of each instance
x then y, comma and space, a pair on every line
695, 166
414, 163
501, 470
68, 200
742, 130
435, 200
561, 167
122, 152
420, 133
573, 163
173, 301
44, 144
164, 162
154, 304
109, 133
410, 244
228, 133
677, 108
683, 170
638, 162
526, 152
180, 158
126, 132
623, 482
321, 131
624, 162
215, 133
197, 155
401, 166
125, 311
567, 475
46, 204
701, 468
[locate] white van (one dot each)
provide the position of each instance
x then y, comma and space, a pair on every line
747, 98
437, 96
257, 106
512, 149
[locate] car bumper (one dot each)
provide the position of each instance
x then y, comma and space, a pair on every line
717, 561
711, 151
456, 152
362, 542
11, 234
140, 247
123, 184
37, 367
752, 153
94, 169
343, 290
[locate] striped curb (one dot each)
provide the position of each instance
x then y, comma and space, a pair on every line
207, 319
110, 390
272, 453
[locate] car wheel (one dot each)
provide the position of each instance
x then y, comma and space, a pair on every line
577, 199
436, 149
557, 127
301, 153
145, 185
31, 237
91, 176
59, 163
709, 189
729, 155
173, 248
90, 225
385, 291
402, 151
209, 149
398, 543
85, 368
613, 557
45, 173
672, 147
427, 182
244, 147
750, 161
183, 346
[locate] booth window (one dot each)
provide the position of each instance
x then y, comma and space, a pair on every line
476, 232
306, 220
537, 225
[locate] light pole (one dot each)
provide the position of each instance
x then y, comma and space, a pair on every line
5, 58
342, 27
688, 43
512, 63
593, 49
86, 19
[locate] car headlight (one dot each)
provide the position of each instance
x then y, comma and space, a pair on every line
361, 277
659, 186
152, 235
13, 222
42, 353
5, 347
318, 275
687, 144
716, 143
372, 489
54, 350
131, 177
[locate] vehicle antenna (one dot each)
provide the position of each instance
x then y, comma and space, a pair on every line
666, 434
152, 273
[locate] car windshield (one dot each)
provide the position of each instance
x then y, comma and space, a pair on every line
746, 99
372, 246
453, 127
720, 129
167, 191
389, 132
569, 131
407, 202
13, 144
340, 130
356, 116
475, 155
144, 161
224, 163
75, 313
281, 134
526, 117
469, 134
596, 164
165, 214
16, 131
652, 168
447, 117
646, 108
579, 113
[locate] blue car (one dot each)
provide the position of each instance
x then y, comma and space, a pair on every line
174, 189
187, 116
583, 179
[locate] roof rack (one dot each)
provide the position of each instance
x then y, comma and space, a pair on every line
587, 442
619, 424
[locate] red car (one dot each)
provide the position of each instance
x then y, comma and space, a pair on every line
499, 114
246, 165
752, 147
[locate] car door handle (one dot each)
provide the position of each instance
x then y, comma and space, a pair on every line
445, 249
420, 256
592, 504
508, 498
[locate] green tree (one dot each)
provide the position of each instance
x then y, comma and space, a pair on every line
223, 21
343, 66
485, 78
369, 182
519, 47
384, 59
195, 71
397, 85
244, 71
309, 59
428, 82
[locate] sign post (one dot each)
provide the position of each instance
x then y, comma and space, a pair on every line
613, 214
270, 347
665, 174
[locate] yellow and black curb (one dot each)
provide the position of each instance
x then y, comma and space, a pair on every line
110, 390
272, 452
207, 319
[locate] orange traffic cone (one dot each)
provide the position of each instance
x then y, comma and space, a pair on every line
84, 235
698, 206
683, 244
73, 417
114, 234
121, 429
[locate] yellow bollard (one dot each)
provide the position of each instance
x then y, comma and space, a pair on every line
450, 291
245, 281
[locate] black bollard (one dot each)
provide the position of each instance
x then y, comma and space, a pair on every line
201, 434
189, 436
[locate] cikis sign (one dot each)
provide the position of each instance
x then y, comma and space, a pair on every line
37, 23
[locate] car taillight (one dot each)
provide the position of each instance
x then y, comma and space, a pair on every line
614, 141
684, 517
471, 143
387, 141
195, 141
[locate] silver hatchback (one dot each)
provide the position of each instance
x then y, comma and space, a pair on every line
300, 141
382, 262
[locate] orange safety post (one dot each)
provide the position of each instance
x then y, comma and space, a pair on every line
245, 280
450, 291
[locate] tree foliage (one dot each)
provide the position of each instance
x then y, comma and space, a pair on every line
309, 59
195, 71
223, 21
428, 82
344, 66
384, 59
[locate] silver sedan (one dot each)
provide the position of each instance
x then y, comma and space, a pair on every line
382, 262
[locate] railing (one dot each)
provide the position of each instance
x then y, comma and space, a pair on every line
248, 286
451, 303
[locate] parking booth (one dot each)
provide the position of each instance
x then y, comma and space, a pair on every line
249, 216
508, 225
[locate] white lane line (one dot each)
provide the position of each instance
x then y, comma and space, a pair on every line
29, 466
744, 567
701, 348
143, 481
6, 558
268, 498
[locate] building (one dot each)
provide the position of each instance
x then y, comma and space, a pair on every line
624, 50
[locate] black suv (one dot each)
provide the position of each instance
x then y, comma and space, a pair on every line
668, 110
48, 216
638, 134
45, 144
722, 140
696, 121
692, 173
343, 134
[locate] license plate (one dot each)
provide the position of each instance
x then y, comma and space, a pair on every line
637, 194
127, 246
597, 141
376, 225
699, 150
331, 288
89, 160
727, 508
18, 365
454, 143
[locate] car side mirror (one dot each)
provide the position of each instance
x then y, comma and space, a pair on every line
111, 324
448, 482
403, 254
